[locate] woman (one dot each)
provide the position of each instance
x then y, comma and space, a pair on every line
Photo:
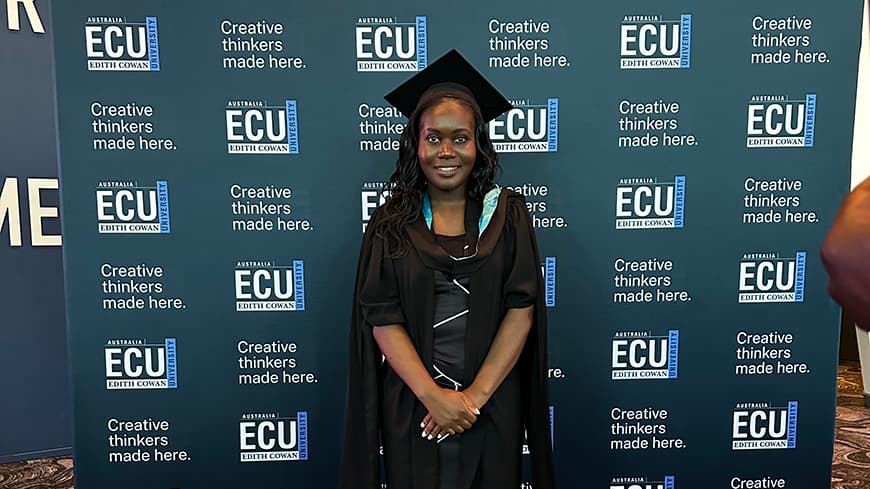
449, 291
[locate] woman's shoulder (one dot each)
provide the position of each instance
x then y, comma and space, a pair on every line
509, 193
378, 232
515, 204
374, 224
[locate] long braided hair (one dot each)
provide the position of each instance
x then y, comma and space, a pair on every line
407, 183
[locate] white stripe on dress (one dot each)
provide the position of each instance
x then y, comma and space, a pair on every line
461, 287
456, 385
451, 318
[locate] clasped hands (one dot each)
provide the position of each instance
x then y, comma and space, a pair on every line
450, 412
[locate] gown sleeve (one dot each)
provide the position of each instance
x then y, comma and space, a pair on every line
375, 301
524, 286
521, 283
846, 255
379, 294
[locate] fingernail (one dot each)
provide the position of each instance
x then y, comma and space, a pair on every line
430, 437
422, 425
423, 435
477, 411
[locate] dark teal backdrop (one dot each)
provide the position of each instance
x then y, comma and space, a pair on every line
681, 161
36, 411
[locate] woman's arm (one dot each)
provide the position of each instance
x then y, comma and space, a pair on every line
520, 288
503, 355
449, 409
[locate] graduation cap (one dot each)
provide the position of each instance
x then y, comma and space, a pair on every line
450, 69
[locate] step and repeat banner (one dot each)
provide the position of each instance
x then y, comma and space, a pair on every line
681, 162
36, 410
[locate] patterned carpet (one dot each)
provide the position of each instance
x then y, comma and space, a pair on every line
43, 473
851, 467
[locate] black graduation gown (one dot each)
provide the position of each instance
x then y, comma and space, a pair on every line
382, 410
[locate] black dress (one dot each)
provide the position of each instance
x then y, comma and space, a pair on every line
448, 348
503, 273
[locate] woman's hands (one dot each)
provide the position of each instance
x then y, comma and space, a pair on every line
450, 412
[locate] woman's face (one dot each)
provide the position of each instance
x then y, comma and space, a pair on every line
447, 149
